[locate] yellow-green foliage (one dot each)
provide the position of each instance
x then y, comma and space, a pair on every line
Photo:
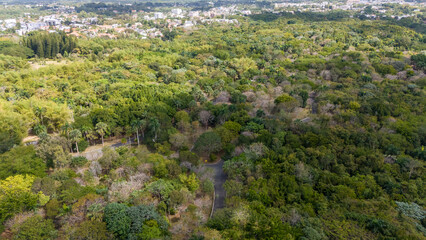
16, 196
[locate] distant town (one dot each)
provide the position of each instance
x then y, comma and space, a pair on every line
151, 24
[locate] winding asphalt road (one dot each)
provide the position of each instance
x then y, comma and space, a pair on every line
219, 176
219, 179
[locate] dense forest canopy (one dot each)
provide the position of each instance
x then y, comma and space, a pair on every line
320, 123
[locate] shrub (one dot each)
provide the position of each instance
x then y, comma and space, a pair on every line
35, 228
187, 156
52, 208
91, 230
411, 210
207, 143
207, 186
70, 191
213, 157
82, 145
116, 219
150, 230
78, 161
287, 102
16, 196
45, 185
385, 69
221, 220
141, 216
63, 174
191, 181
419, 61
284, 98
128, 222
21, 160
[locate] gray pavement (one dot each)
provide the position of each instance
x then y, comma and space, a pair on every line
219, 179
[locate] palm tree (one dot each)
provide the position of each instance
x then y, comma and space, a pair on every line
129, 132
136, 125
91, 135
101, 129
86, 130
143, 127
39, 129
75, 136
66, 129
39, 112
154, 124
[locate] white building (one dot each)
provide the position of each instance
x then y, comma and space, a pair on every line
188, 24
9, 23
194, 14
28, 27
177, 11
159, 15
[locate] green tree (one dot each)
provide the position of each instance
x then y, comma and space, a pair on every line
154, 125
39, 112
35, 228
16, 196
116, 219
95, 230
419, 61
21, 160
179, 140
207, 143
75, 136
102, 129
54, 151
12, 130
190, 181
136, 126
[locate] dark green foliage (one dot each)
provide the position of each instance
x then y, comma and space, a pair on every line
131, 222
70, 191
373, 224
207, 186
117, 220
82, 145
170, 35
419, 61
207, 143
46, 185
78, 161
139, 215
187, 156
221, 220
21, 160
48, 45
14, 49
11, 130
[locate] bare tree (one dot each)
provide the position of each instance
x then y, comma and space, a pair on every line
205, 117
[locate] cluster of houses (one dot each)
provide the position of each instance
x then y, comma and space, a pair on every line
355, 5
67, 20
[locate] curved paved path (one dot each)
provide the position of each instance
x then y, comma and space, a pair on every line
219, 176
219, 179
